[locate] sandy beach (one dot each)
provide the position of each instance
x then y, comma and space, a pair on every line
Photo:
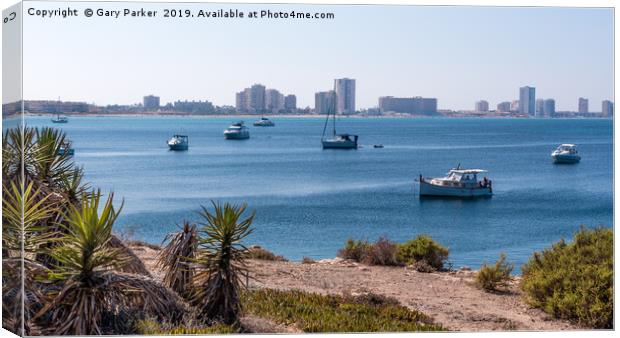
450, 298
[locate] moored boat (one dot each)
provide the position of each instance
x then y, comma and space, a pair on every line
566, 154
237, 131
178, 142
337, 141
340, 141
264, 122
457, 183
60, 119
66, 150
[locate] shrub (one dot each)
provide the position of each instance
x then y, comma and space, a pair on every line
354, 250
256, 252
422, 248
423, 266
490, 278
382, 252
574, 281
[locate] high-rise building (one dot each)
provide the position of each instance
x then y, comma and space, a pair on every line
325, 102
274, 100
241, 103
608, 108
514, 106
527, 100
503, 107
549, 107
583, 105
256, 98
345, 95
411, 105
151, 102
482, 106
290, 102
540, 107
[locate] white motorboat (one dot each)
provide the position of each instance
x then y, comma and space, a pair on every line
66, 150
457, 183
178, 142
237, 131
264, 122
566, 154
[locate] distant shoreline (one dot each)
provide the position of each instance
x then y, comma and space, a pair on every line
250, 116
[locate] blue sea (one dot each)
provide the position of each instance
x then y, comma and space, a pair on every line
309, 201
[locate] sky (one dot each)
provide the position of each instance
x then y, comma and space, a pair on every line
458, 55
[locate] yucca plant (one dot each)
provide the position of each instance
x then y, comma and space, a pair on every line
176, 259
23, 210
91, 287
220, 263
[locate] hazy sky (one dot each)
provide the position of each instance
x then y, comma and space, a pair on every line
456, 54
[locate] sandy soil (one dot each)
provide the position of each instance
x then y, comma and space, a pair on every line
450, 298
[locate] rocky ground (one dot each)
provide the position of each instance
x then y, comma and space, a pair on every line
450, 298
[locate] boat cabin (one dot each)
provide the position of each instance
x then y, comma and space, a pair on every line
569, 148
461, 178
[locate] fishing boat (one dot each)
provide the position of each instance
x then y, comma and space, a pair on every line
66, 150
457, 183
337, 141
237, 131
60, 119
178, 142
566, 154
264, 122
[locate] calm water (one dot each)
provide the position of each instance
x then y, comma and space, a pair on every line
309, 201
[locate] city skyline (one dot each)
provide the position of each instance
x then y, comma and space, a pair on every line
408, 51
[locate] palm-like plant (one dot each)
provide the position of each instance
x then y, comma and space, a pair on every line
220, 263
176, 258
23, 211
91, 288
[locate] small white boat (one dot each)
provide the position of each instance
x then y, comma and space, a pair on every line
66, 150
178, 142
264, 122
457, 183
237, 131
566, 154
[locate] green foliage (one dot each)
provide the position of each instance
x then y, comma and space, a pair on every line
220, 263
491, 278
355, 250
329, 313
85, 248
153, 327
422, 248
264, 254
574, 280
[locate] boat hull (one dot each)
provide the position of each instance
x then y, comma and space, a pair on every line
327, 144
60, 121
427, 189
566, 159
237, 136
178, 147
264, 124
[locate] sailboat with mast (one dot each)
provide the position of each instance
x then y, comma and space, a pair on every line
264, 122
59, 119
337, 141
